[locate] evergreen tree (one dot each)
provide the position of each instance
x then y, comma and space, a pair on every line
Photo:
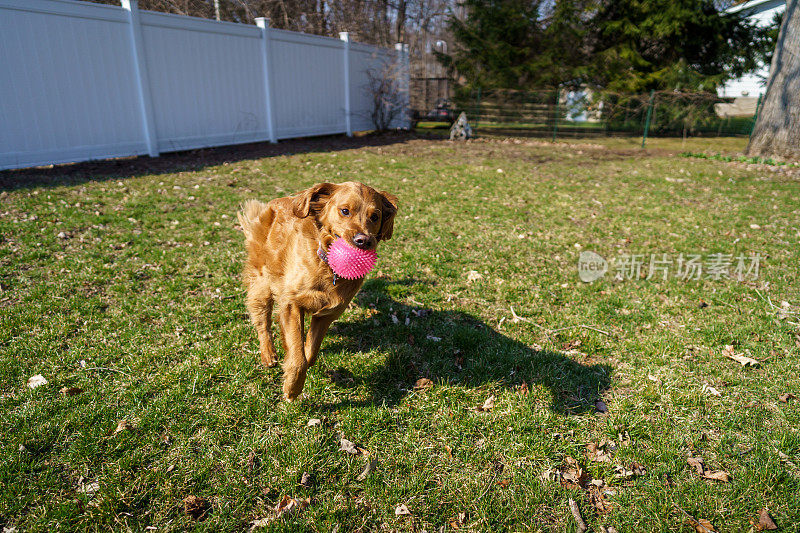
498, 41
637, 45
616, 45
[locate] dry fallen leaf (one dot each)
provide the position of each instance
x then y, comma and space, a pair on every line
572, 474
260, 522
458, 521
36, 381
716, 475
423, 384
786, 397
635, 470
371, 465
474, 275
711, 390
765, 522
601, 406
576, 514
195, 506
314, 422
598, 453
289, 505
88, 488
523, 389
71, 391
551, 474
700, 467
739, 358
124, 425
307, 480
697, 463
401, 510
488, 405
598, 499
701, 525
349, 447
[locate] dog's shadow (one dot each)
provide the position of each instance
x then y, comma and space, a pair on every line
449, 347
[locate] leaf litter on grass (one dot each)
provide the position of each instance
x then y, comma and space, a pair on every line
739, 358
700, 468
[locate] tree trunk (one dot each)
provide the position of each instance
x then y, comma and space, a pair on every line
777, 129
401, 21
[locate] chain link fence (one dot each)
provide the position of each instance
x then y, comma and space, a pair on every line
586, 113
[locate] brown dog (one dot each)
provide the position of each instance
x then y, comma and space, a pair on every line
284, 267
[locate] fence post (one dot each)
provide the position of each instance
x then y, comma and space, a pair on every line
263, 23
555, 118
405, 76
345, 37
755, 117
649, 116
478, 109
140, 72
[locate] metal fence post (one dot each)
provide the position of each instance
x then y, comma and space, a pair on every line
755, 117
649, 116
555, 118
345, 37
263, 23
140, 72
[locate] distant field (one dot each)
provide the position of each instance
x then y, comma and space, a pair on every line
119, 284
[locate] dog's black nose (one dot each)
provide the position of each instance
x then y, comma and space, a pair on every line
361, 240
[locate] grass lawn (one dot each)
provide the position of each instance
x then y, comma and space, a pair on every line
120, 285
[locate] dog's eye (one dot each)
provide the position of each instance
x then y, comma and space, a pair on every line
374, 217
345, 212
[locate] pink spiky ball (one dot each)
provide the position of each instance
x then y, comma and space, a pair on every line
349, 262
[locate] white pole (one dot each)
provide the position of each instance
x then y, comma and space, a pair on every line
345, 37
140, 72
402, 62
263, 23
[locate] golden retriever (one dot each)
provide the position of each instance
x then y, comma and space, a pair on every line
286, 242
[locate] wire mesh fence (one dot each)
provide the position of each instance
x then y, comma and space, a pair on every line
579, 113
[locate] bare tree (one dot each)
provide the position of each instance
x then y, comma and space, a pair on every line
777, 129
385, 86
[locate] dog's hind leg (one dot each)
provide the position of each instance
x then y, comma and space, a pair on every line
259, 305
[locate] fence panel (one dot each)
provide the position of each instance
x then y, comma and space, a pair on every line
205, 80
308, 84
84, 81
67, 84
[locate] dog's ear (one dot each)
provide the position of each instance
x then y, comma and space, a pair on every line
388, 211
312, 200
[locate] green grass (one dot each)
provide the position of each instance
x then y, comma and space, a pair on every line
740, 159
122, 278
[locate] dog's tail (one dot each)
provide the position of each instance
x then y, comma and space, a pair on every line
250, 220
255, 218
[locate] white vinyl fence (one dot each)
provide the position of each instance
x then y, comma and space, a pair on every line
82, 81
